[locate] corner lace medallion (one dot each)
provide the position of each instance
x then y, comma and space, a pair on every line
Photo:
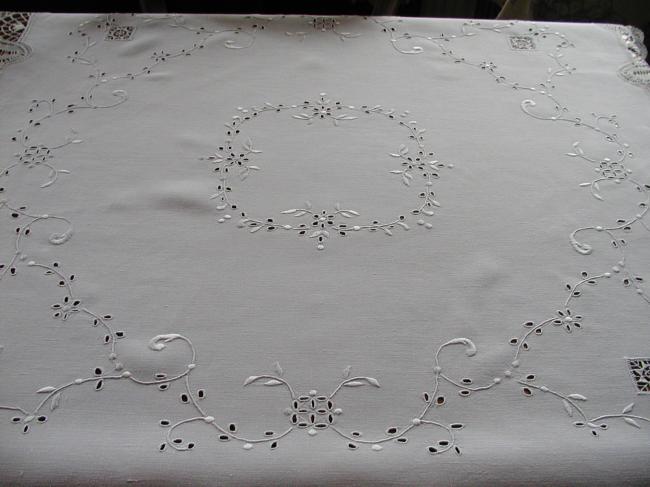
637, 70
13, 26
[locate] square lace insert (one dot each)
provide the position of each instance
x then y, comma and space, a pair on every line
120, 33
522, 43
640, 371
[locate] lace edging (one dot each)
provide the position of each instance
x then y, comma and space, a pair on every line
637, 71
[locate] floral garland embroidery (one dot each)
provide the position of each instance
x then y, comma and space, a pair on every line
313, 411
321, 223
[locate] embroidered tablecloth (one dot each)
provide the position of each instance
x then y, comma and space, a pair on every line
249, 250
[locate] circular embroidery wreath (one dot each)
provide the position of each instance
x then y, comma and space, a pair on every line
416, 168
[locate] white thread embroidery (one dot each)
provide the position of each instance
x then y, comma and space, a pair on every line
324, 24
312, 411
417, 166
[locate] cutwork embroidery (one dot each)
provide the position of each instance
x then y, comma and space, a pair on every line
312, 411
324, 24
120, 33
417, 166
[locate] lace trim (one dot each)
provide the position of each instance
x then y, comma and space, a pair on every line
637, 70
13, 27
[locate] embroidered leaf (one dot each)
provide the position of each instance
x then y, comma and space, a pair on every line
278, 368
254, 229
46, 389
567, 407
357, 383
346, 371
272, 382
630, 421
372, 381
56, 401
403, 225
251, 379
578, 397
355, 213
302, 116
628, 408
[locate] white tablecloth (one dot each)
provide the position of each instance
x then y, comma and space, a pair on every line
323, 251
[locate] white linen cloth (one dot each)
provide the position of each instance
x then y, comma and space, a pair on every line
468, 304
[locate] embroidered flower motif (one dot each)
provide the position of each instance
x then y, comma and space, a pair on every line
226, 157
66, 308
640, 371
313, 411
324, 108
160, 56
612, 169
567, 320
324, 24
35, 155
27, 420
488, 66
